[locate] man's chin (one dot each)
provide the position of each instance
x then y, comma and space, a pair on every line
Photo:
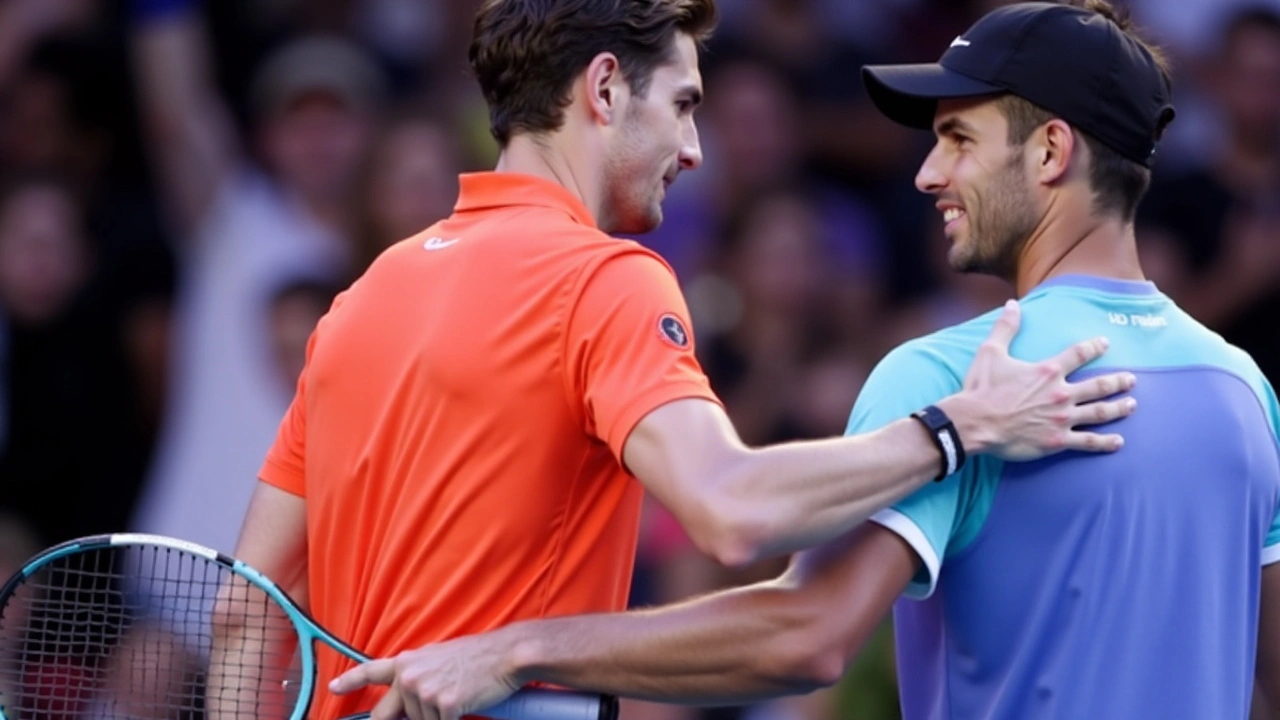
965, 262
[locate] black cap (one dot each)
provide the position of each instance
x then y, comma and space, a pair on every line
1070, 61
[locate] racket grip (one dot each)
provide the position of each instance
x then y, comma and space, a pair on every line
537, 704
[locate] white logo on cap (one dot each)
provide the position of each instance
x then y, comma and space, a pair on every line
960, 42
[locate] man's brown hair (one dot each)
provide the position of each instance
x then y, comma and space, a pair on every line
526, 53
1118, 183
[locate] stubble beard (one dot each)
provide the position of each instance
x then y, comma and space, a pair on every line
999, 225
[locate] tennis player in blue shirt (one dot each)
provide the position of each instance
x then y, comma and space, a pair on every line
1140, 584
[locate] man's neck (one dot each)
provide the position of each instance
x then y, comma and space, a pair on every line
1103, 247
541, 157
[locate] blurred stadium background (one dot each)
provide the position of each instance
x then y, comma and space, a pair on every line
157, 289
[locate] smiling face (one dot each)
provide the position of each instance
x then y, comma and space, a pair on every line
982, 185
655, 140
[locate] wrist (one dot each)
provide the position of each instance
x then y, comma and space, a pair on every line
525, 653
972, 425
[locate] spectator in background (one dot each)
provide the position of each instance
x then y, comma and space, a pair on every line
72, 454
295, 309
64, 114
762, 319
1217, 226
775, 350
410, 182
755, 143
250, 214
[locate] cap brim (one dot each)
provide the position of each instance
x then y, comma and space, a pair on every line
909, 94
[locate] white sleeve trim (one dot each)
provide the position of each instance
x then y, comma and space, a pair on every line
1271, 554
907, 529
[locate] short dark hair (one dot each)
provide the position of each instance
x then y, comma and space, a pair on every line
526, 53
1118, 183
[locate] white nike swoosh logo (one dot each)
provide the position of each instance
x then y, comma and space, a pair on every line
960, 42
436, 243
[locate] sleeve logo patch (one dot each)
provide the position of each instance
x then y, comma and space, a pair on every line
672, 330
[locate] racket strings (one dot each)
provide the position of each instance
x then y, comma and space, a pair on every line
129, 632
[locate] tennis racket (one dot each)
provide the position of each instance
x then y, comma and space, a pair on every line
122, 626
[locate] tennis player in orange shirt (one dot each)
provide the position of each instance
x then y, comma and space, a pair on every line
476, 410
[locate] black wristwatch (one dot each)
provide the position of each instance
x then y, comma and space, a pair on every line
945, 438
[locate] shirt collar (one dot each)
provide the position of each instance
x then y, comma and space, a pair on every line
1101, 284
490, 190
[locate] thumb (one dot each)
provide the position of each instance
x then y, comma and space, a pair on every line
1006, 326
374, 672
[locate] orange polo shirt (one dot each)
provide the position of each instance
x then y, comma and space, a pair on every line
458, 429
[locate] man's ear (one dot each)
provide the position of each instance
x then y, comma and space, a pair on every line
1053, 150
606, 88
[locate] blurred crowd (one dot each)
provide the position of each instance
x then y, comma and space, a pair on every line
184, 186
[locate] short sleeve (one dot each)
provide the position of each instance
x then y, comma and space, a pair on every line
1271, 547
906, 380
285, 464
1271, 550
630, 347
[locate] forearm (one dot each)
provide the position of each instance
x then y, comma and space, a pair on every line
788, 497
250, 658
185, 120
739, 646
1268, 679
1268, 665
789, 636
250, 674
784, 637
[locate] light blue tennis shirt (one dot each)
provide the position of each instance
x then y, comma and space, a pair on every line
1091, 586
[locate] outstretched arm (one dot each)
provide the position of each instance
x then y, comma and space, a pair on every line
188, 130
740, 504
787, 636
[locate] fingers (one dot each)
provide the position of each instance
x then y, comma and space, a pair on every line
1006, 326
1102, 386
374, 672
1093, 442
390, 707
415, 708
1097, 413
1080, 354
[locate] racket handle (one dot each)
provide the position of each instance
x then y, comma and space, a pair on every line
538, 704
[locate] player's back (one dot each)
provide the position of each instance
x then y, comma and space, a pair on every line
1116, 586
453, 480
